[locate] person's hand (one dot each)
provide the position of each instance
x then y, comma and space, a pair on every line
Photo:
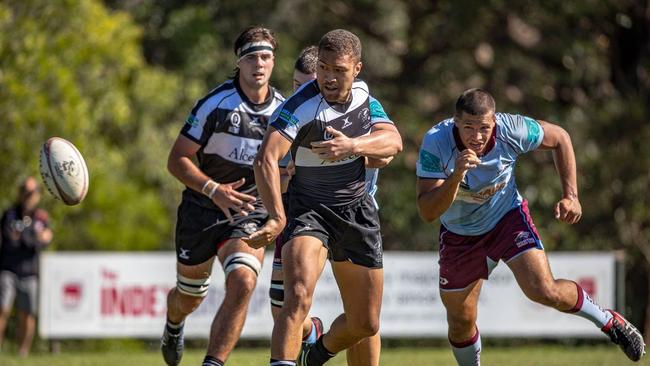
466, 160
568, 210
266, 234
228, 198
339, 147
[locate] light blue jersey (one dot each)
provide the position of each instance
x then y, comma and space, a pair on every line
488, 191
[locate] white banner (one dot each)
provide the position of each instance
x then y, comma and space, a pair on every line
124, 295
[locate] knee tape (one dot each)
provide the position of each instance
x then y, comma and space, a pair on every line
276, 293
240, 259
191, 286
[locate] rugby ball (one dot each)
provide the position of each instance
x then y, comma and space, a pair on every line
64, 171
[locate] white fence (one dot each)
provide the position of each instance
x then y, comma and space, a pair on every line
94, 295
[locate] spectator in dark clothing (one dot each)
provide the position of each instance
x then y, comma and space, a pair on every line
25, 231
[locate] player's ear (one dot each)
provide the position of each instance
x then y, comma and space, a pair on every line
357, 68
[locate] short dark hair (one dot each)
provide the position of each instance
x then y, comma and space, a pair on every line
476, 102
255, 33
307, 60
342, 42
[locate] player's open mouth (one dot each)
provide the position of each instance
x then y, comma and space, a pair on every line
476, 147
331, 88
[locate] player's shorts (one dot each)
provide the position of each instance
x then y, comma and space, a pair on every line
201, 232
465, 259
24, 290
350, 232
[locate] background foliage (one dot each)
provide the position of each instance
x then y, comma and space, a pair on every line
118, 77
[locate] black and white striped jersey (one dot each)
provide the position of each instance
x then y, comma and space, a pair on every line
302, 119
230, 129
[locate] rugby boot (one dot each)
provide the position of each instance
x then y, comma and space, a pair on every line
623, 333
172, 345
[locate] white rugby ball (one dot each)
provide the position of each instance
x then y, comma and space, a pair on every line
64, 171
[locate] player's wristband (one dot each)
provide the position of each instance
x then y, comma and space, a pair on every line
210, 191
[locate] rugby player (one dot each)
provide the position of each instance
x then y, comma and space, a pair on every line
366, 352
465, 178
224, 131
331, 125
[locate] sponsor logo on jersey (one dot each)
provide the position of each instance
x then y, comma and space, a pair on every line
443, 281
350, 157
242, 154
192, 120
533, 130
429, 162
288, 117
346, 123
481, 196
524, 238
235, 123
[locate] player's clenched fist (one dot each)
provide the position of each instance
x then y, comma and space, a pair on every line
466, 160
568, 210
265, 235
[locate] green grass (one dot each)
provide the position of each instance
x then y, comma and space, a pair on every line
503, 356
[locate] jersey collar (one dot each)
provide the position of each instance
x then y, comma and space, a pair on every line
254, 106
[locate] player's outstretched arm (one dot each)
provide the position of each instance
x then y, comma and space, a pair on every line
225, 195
568, 209
267, 178
435, 196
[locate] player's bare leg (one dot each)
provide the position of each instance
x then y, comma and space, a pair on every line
4, 317
277, 276
361, 291
462, 311
27, 326
533, 274
300, 277
365, 352
240, 284
181, 304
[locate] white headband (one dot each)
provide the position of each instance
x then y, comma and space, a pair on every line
254, 47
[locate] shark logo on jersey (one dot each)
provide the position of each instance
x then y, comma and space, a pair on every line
235, 122
364, 116
346, 123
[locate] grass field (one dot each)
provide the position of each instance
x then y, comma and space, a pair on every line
527, 356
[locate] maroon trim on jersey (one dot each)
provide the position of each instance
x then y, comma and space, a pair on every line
468, 342
490, 144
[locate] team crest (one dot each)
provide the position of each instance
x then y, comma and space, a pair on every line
235, 123
364, 117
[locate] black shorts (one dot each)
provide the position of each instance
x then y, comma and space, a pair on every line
350, 233
200, 231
